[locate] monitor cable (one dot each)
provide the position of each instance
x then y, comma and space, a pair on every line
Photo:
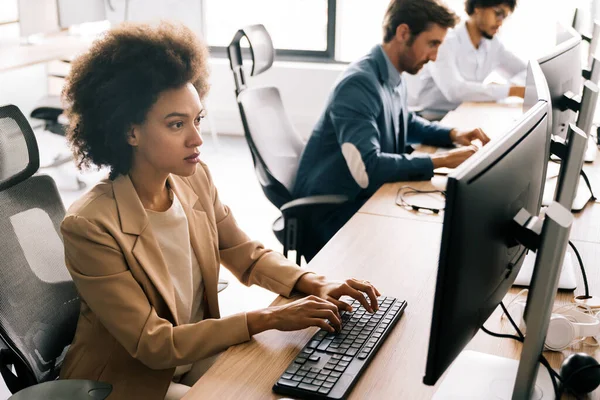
569, 370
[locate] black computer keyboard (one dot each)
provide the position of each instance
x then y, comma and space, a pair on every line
331, 363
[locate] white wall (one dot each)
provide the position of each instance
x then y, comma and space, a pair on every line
304, 89
23, 87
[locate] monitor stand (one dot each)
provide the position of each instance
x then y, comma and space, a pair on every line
475, 375
582, 197
567, 279
591, 150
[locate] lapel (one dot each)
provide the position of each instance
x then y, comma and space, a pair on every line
134, 221
383, 72
146, 250
203, 242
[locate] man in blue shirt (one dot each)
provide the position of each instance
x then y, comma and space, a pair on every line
361, 140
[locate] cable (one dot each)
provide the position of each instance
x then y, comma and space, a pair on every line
588, 184
406, 190
521, 338
583, 274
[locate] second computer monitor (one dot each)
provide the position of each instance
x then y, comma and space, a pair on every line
479, 256
562, 69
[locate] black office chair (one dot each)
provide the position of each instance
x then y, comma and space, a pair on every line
275, 146
39, 304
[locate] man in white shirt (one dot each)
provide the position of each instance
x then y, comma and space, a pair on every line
466, 58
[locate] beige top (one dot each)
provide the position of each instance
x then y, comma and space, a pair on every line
172, 233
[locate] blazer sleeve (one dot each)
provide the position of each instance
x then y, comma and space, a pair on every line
354, 110
431, 133
105, 283
249, 260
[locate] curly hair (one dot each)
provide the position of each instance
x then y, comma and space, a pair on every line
471, 4
114, 85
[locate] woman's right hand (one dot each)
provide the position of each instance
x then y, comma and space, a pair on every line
303, 313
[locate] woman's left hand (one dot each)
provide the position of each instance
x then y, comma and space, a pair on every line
332, 291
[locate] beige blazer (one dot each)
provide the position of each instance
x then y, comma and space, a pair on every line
128, 334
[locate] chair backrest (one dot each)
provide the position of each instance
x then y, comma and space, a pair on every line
39, 304
275, 145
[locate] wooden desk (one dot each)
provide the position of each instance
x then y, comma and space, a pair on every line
382, 250
14, 55
587, 222
398, 251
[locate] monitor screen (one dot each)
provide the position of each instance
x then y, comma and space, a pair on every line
479, 259
75, 12
562, 69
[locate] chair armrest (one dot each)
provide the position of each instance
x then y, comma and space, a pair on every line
312, 202
69, 389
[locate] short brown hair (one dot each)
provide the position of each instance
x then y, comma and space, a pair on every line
418, 15
114, 85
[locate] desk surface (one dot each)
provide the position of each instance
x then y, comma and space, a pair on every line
587, 222
15, 55
377, 244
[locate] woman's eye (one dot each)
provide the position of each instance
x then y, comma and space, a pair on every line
199, 118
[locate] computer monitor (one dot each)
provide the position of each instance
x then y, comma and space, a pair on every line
75, 12
562, 69
37, 17
479, 256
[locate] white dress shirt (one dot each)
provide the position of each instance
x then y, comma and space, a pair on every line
460, 70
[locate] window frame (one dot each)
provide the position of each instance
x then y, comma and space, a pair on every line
12, 21
325, 56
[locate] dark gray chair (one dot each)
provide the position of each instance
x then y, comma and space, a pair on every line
39, 304
275, 146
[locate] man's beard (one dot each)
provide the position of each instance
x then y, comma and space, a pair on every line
486, 35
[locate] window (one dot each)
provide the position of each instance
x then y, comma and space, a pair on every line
8, 11
296, 26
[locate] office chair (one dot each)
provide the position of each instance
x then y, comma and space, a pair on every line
275, 146
39, 304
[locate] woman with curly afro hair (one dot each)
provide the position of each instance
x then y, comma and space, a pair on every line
144, 246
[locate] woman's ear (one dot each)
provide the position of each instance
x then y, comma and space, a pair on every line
133, 136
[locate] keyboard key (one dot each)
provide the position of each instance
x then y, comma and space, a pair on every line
313, 344
324, 345
328, 385
287, 382
307, 380
287, 376
314, 358
324, 390
331, 379
363, 355
335, 374
318, 382
292, 369
311, 375
308, 387
339, 368
346, 358
352, 352
315, 370
300, 360
297, 378
305, 368
321, 377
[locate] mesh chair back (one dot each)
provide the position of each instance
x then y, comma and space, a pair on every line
39, 305
19, 157
277, 145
